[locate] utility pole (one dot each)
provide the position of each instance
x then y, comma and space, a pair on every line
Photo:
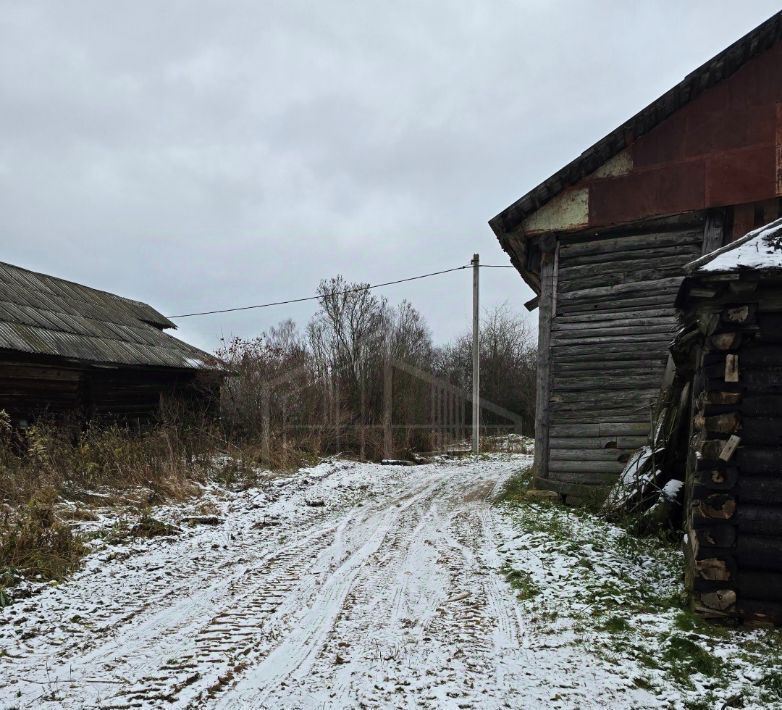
476, 360
388, 401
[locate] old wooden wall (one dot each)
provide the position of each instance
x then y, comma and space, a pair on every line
38, 387
734, 487
28, 387
613, 320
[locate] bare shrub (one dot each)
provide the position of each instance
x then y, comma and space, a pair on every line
36, 543
322, 389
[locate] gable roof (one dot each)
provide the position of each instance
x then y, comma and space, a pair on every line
709, 74
44, 315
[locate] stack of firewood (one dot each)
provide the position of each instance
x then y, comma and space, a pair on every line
734, 471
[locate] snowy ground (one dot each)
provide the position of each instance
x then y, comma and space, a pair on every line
358, 585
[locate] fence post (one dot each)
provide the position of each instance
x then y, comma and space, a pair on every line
476, 359
337, 413
451, 416
442, 415
362, 431
433, 418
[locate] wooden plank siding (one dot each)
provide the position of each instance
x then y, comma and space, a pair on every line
610, 330
49, 387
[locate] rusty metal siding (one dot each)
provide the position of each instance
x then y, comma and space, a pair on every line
727, 104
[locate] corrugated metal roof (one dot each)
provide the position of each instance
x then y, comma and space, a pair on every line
45, 315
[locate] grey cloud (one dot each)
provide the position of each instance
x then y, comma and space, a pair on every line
207, 154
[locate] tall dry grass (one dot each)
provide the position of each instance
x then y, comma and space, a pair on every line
103, 464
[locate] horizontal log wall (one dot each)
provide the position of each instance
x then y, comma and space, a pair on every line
27, 389
734, 486
610, 333
33, 389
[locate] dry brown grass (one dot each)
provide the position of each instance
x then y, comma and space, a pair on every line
36, 544
54, 475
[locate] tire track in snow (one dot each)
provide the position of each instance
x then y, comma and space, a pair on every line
261, 623
424, 620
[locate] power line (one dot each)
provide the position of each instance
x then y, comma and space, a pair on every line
339, 293
325, 295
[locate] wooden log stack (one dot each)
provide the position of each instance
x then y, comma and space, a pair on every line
734, 471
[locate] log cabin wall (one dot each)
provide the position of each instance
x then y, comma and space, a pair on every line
613, 318
734, 478
136, 394
27, 388
31, 389
69, 348
710, 145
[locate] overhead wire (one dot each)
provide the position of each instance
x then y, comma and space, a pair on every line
355, 289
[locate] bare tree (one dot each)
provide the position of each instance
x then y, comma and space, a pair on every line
507, 353
330, 379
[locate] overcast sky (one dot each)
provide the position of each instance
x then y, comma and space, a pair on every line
199, 155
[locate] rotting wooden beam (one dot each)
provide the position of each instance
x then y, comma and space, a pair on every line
713, 233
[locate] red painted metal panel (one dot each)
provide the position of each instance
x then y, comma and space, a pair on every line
747, 175
665, 144
667, 190
737, 113
779, 149
731, 128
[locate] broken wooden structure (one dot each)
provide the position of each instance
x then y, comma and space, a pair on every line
731, 310
603, 243
67, 349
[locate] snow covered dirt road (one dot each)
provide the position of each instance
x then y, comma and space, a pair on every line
355, 585
349, 584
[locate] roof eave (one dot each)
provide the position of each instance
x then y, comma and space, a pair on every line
517, 255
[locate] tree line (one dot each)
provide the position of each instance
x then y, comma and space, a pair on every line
321, 387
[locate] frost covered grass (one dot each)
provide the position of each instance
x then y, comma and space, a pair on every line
37, 545
595, 587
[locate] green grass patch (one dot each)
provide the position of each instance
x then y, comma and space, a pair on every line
771, 683
522, 583
516, 486
615, 625
684, 658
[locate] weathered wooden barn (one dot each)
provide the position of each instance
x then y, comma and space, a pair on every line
603, 242
70, 349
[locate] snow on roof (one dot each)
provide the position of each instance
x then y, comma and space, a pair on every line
759, 249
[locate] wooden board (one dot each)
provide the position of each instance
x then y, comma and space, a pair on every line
609, 337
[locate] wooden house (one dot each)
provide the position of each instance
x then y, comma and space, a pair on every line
70, 349
729, 352
603, 242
